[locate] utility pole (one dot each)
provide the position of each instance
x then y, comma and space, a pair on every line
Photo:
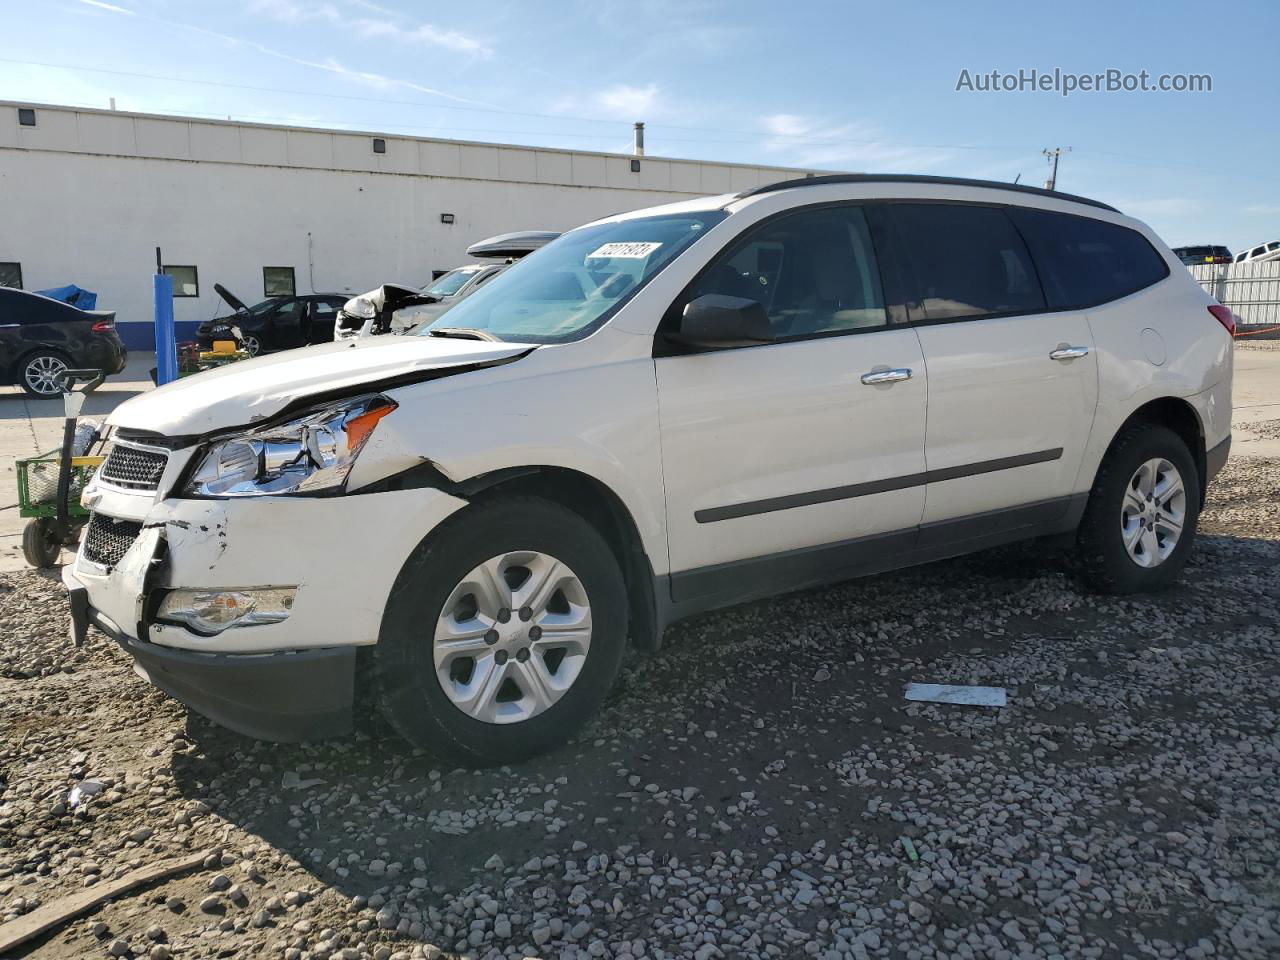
1052, 155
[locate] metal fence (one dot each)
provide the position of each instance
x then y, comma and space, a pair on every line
1251, 290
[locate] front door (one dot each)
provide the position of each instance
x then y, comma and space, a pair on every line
288, 325
786, 462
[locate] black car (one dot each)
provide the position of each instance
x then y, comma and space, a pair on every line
40, 338
277, 323
1202, 254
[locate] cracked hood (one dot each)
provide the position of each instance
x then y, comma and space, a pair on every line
250, 390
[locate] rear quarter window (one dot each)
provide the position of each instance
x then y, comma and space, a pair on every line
1084, 262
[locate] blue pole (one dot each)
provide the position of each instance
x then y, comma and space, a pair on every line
166, 339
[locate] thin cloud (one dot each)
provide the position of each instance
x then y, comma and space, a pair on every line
424, 35
1263, 209
1160, 206
387, 25
629, 102
369, 78
803, 141
102, 5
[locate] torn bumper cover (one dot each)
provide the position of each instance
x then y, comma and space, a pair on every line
290, 696
287, 680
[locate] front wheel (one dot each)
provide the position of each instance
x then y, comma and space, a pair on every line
504, 632
40, 544
252, 345
1142, 513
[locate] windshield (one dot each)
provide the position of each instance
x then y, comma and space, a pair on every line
451, 282
574, 284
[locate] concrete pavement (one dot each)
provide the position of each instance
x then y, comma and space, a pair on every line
29, 427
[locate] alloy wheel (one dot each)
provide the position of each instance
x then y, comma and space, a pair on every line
43, 374
252, 346
512, 637
1153, 513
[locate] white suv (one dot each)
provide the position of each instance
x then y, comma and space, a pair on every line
660, 413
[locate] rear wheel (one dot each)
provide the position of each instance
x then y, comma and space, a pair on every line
504, 632
41, 373
40, 545
1142, 513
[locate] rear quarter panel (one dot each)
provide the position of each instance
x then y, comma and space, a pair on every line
1158, 342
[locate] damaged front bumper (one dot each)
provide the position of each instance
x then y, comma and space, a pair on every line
287, 680
289, 696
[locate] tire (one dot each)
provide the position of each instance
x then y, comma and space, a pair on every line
425, 691
1127, 542
39, 547
252, 345
37, 373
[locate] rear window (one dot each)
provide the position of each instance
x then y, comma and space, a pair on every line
1084, 262
19, 307
967, 261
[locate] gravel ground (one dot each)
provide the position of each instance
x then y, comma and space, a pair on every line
761, 788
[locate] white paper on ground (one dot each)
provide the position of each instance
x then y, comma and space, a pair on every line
948, 693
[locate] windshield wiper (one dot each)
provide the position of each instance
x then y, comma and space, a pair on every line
463, 333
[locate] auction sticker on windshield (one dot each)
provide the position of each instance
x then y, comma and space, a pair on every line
624, 251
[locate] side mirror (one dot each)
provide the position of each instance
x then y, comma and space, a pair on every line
714, 320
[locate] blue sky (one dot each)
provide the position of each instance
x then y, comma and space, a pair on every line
847, 86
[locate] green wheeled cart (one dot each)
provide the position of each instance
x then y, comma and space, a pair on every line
49, 486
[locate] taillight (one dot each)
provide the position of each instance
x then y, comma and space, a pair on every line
1225, 317
102, 326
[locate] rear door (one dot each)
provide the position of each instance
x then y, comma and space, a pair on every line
1012, 384
12, 305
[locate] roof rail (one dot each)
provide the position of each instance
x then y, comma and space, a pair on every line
920, 178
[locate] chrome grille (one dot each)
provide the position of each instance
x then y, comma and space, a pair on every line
136, 468
107, 539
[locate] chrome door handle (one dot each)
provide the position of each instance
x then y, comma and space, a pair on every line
1068, 353
886, 376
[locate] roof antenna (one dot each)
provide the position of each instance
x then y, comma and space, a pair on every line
1016, 179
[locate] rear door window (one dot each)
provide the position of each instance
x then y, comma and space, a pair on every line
966, 261
1084, 262
325, 309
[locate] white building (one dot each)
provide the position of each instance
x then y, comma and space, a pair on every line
87, 195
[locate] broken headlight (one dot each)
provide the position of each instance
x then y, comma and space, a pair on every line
212, 611
311, 454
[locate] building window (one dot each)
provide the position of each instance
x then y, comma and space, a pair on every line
186, 282
379, 145
278, 282
635, 165
26, 117
11, 275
